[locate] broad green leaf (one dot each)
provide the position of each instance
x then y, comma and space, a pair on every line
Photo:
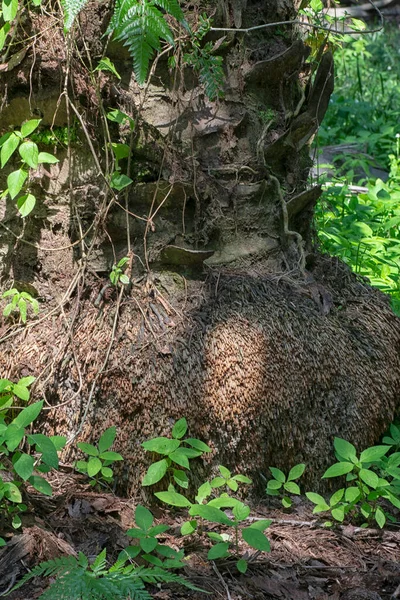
173, 498
278, 475
107, 472
153, 560
180, 459
197, 444
29, 127
224, 472
2, 540
286, 502
88, 448
241, 565
15, 182
28, 414
119, 181
111, 456
21, 391
336, 497
241, 511
3, 36
12, 493
148, 544
232, 485
296, 472
24, 466
373, 453
13, 436
8, 148
26, 204
190, 452
9, 9
224, 501
94, 466
352, 494
46, 158
344, 448
369, 477
211, 513
71, 10
29, 153
338, 513
26, 381
59, 441
107, 439
218, 551
155, 472
242, 479
179, 429
16, 522
380, 517
136, 533
338, 469
46, 447
261, 524
292, 487
274, 484
203, 492
217, 482
317, 499
22, 309
189, 527
256, 539
124, 279
41, 485
181, 478
105, 64
143, 518
161, 445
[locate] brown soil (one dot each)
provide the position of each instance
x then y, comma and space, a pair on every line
306, 560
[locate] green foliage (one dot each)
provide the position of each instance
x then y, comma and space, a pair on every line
99, 458
280, 483
117, 274
149, 548
176, 452
71, 10
31, 159
77, 580
19, 302
372, 477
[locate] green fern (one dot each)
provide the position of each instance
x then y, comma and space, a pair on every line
71, 9
141, 26
77, 580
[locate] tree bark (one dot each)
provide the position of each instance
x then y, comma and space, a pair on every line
232, 319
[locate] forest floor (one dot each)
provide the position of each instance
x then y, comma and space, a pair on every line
307, 561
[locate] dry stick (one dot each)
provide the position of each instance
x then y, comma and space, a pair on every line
222, 580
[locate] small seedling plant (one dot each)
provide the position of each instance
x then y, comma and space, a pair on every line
282, 483
9, 391
100, 457
148, 547
19, 303
360, 498
31, 158
117, 274
177, 452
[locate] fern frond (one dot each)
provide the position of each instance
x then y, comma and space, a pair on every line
50, 568
71, 9
172, 8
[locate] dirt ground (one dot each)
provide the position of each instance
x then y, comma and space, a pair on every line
306, 561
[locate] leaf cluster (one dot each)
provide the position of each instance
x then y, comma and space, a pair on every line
100, 457
19, 303
281, 482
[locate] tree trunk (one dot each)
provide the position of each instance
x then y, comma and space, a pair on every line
232, 319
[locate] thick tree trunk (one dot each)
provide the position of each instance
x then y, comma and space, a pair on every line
268, 349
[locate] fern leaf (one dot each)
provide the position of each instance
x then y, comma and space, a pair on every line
71, 9
50, 568
172, 8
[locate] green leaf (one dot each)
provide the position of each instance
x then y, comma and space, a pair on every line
274, 484
296, 472
155, 472
217, 482
119, 181
110, 456
286, 502
15, 182
203, 492
336, 497
2, 542
26, 204
256, 539
13, 436
28, 414
352, 494
232, 485
242, 479
181, 479
292, 487
369, 477
88, 448
338, 513
22, 309
143, 518
278, 475
71, 10
41, 485
316, 499
59, 441
124, 279
241, 511
224, 501
107, 472
8, 148
189, 452
197, 444
161, 445
21, 391
373, 453
148, 544
189, 527
179, 429
12, 493
29, 153
46, 447
380, 517
26, 381
180, 459
344, 448
107, 439
261, 524
211, 513
9, 9
105, 64
94, 466
173, 498
29, 127
24, 466
3, 36
46, 158
338, 469
241, 565
218, 551
224, 472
